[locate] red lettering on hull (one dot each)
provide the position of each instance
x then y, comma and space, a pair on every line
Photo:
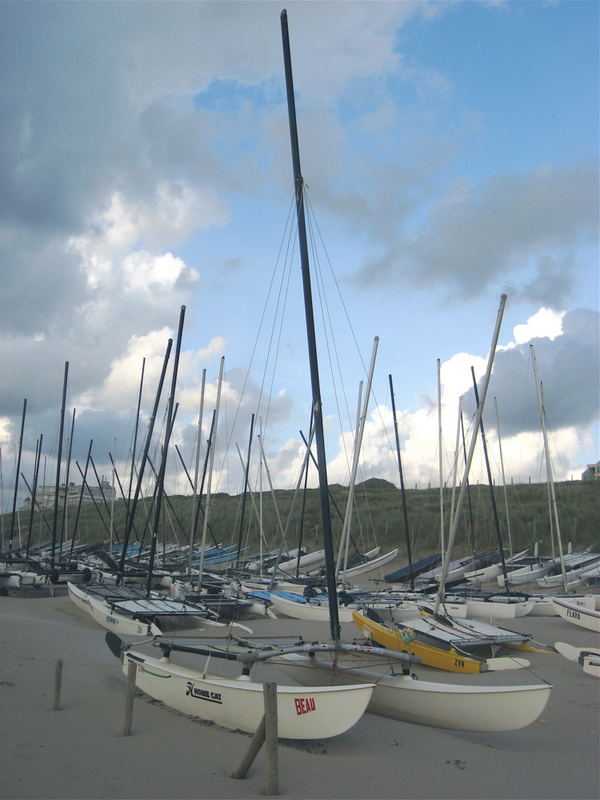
304, 705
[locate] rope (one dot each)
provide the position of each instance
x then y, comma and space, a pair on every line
42, 659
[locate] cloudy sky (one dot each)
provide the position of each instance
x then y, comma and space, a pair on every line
450, 154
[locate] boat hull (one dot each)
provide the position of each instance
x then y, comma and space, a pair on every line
448, 659
312, 610
486, 709
486, 609
588, 657
108, 618
591, 665
302, 713
583, 612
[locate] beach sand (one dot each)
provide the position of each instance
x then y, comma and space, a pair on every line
80, 751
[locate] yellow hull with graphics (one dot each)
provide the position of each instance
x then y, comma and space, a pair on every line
449, 660
446, 658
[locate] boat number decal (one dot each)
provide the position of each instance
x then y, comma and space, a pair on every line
203, 694
304, 705
574, 614
112, 620
458, 662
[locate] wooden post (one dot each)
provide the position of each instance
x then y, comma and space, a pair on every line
252, 752
271, 738
265, 732
57, 683
131, 668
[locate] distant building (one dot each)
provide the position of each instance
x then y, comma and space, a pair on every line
45, 495
592, 471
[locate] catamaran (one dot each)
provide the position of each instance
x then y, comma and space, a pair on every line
583, 611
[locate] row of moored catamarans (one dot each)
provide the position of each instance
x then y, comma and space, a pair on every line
405, 625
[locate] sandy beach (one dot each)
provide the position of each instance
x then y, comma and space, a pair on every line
80, 751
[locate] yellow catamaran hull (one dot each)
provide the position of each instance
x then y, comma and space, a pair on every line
448, 659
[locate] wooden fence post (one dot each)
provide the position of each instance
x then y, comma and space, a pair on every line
129, 692
57, 683
251, 753
266, 732
271, 738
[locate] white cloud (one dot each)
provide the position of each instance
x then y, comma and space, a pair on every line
5, 431
567, 353
154, 273
545, 323
503, 229
111, 159
120, 388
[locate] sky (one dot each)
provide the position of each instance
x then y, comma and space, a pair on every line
450, 157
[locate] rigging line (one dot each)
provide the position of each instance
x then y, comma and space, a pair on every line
335, 281
286, 261
313, 224
282, 302
313, 219
330, 344
331, 347
282, 292
329, 328
266, 306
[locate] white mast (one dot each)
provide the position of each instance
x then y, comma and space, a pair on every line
345, 538
346, 524
440, 460
476, 424
540, 396
510, 547
196, 471
112, 502
210, 469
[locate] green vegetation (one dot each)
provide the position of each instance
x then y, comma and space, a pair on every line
378, 518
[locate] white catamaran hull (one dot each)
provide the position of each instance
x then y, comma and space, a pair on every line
368, 566
486, 609
102, 613
582, 611
319, 712
313, 610
528, 574
486, 709
588, 657
490, 573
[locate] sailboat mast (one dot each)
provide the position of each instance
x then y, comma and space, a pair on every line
245, 494
170, 421
311, 338
17, 471
36, 470
479, 412
491, 485
510, 547
402, 488
58, 460
549, 472
440, 459
196, 472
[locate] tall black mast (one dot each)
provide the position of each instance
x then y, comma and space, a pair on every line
14, 504
131, 506
160, 483
58, 460
491, 485
402, 488
312, 343
244, 496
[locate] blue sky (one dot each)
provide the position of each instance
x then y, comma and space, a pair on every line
450, 153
